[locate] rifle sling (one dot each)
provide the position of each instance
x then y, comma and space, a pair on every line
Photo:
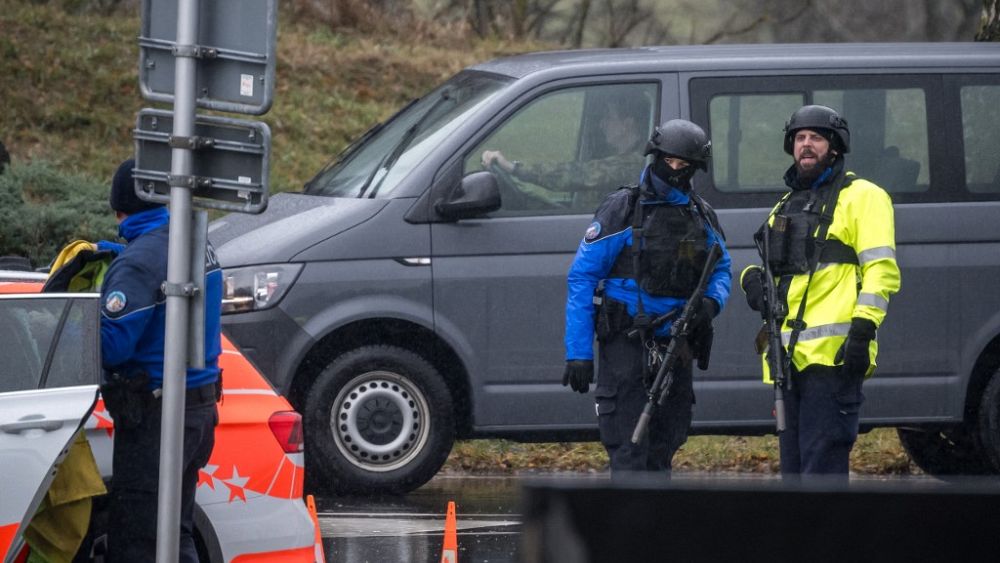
825, 219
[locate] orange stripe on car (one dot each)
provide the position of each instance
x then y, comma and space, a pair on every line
7, 533
303, 554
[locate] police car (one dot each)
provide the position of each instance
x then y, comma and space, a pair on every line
249, 498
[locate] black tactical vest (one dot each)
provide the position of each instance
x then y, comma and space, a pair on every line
674, 248
792, 235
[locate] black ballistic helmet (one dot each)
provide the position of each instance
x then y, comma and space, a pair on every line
682, 139
824, 121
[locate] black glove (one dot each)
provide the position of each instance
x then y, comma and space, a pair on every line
753, 286
854, 351
702, 322
579, 375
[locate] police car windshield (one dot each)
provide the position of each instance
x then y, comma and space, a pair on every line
366, 169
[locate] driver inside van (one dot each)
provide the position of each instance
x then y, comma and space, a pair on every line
624, 124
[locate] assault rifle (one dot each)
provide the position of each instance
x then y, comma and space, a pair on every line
777, 360
679, 333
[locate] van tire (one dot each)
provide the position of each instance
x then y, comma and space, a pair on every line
945, 452
355, 414
989, 421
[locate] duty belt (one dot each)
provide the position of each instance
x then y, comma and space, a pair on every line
195, 396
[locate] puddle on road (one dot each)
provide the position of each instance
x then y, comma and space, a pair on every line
410, 527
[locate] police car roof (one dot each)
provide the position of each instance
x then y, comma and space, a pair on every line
785, 56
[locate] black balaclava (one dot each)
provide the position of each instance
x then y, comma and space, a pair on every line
680, 179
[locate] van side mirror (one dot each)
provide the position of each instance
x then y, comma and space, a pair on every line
477, 195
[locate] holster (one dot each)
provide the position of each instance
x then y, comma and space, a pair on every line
218, 388
702, 348
612, 318
127, 399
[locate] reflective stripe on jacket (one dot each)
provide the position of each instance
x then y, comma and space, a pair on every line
863, 220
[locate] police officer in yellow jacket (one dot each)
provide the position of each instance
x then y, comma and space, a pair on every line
831, 249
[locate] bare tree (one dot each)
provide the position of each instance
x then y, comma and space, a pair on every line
989, 29
739, 25
540, 14
952, 20
511, 18
615, 23
362, 15
888, 20
577, 26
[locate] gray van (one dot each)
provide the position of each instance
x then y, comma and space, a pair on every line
408, 297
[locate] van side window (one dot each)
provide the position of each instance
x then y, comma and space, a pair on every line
569, 148
746, 153
981, 136
888, 135
888, 115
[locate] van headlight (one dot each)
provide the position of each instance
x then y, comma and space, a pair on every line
255, 288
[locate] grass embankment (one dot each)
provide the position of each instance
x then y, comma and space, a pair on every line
70, 86
876, 453
70, 94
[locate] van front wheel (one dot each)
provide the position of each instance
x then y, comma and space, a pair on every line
378, 420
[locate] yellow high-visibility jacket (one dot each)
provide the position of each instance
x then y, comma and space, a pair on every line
863, 220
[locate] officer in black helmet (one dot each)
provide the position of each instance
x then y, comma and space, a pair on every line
616, 282
831, 250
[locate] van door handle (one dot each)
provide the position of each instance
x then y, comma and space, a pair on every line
31, 422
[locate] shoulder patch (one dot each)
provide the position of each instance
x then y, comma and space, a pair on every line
593, 231
115, 302
614, 213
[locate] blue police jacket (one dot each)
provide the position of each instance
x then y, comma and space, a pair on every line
134, 310
608, 235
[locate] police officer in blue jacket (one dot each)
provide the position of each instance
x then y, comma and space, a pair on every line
610, 298
133, 323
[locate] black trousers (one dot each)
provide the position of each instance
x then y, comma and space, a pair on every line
822, 422
621, 395
135, 483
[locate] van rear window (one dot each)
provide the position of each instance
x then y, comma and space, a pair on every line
981, 136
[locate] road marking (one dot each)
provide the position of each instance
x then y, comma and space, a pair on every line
355, 526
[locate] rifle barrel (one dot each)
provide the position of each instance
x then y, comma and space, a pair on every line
660, 388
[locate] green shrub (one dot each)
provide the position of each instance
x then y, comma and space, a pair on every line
42, 209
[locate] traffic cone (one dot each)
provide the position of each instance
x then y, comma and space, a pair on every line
318, 552
449, 551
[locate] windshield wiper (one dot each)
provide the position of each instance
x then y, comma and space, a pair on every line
348, 151
390, 158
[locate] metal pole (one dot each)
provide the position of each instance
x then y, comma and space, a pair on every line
178, 278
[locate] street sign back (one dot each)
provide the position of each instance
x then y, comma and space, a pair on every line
229, 163
235, 50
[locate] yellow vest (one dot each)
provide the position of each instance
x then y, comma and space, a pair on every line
863, 220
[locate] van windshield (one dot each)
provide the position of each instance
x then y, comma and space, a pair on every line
376, 163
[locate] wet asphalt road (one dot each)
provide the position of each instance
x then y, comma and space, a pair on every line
409, 528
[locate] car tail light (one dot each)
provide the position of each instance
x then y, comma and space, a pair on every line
287, 429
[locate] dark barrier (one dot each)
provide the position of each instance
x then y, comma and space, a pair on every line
717, 521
